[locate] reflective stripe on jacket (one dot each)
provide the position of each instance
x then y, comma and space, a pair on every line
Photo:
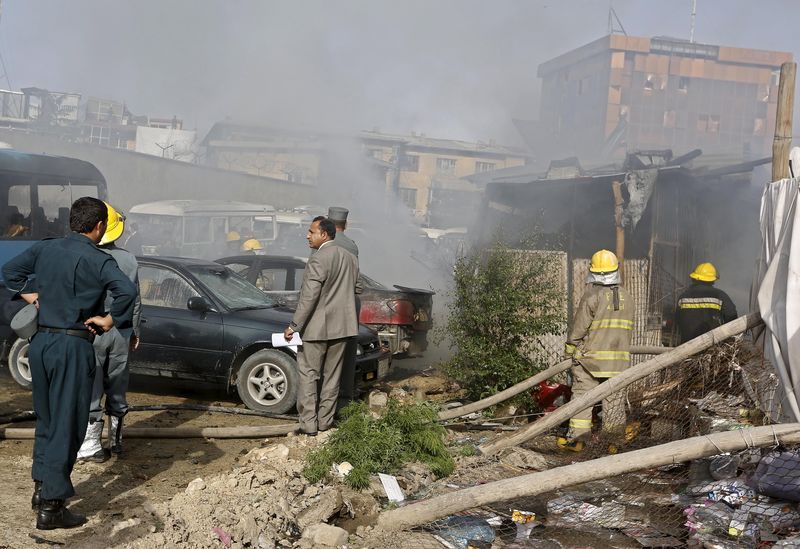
602, 329
701, 308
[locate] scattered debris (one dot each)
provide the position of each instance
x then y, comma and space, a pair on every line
524, 459
456, 531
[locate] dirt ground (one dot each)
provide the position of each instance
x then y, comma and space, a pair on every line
149, 471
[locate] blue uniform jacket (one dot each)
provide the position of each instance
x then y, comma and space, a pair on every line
71, 276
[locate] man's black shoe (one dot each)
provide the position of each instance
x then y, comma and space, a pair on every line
54, 514
36, 498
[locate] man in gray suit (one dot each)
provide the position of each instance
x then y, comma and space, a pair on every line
326, 319
347, 386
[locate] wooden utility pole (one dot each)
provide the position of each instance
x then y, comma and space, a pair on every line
616, 187
782, 143
533, 484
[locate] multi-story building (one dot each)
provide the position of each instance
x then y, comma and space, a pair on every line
625, 93
270, 152
427, 173
104, 122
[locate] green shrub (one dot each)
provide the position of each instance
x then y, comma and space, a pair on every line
503, 303
404, 433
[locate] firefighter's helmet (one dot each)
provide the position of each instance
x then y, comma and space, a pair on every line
114, 226
251, 245
705, 272
604, 262
233, 236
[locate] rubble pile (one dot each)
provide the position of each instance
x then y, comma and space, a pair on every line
263, 503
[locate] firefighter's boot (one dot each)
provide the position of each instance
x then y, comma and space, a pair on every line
570, 445
115, 435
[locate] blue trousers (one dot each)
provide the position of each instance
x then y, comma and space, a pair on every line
62, 369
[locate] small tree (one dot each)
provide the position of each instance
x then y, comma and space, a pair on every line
504, 305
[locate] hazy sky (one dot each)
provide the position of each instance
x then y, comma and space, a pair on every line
450, 68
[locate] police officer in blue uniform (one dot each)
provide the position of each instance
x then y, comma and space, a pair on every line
67, 279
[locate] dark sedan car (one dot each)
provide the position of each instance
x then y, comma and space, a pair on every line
201, 321
402, 316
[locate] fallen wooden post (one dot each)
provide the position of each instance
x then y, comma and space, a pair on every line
530, 383
180, 432
635, 373
532, 484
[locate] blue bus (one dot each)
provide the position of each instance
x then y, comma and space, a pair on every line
36, 192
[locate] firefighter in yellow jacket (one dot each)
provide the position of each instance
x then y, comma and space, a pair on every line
599, 344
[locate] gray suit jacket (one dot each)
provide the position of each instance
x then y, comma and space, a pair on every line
326, 308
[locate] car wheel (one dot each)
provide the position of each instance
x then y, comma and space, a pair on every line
18, 363
267, 381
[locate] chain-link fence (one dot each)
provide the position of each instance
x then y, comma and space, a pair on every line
742, 498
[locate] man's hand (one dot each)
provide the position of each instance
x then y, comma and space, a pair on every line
31, 299
105, 323
134, 343
288, 333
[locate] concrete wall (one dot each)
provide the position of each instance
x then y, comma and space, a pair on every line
134, 178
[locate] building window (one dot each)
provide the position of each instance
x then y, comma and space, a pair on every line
481, 167
99, 135
650, 83
708, 123
410, 163
670, 118
446, 165
683, 84
409, 197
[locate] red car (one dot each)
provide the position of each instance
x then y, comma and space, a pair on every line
401, 316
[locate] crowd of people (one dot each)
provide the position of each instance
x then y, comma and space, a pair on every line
85, 291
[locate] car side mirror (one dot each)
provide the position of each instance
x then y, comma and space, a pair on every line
199, 303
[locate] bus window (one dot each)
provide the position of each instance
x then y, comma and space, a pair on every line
241, 224
15, 217
196, 230
19, 196
51, 217
264, 227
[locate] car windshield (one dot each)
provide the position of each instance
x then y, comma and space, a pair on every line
231, 289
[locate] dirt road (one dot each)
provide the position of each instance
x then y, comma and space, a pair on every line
149, 470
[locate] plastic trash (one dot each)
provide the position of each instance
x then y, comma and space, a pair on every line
456, 531
724, 466
734, 492
778, 515
778, 475
708, 518
793, 541
526, 522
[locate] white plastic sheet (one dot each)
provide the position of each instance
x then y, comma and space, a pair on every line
778, 292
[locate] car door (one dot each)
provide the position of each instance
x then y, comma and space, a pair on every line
175, 341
